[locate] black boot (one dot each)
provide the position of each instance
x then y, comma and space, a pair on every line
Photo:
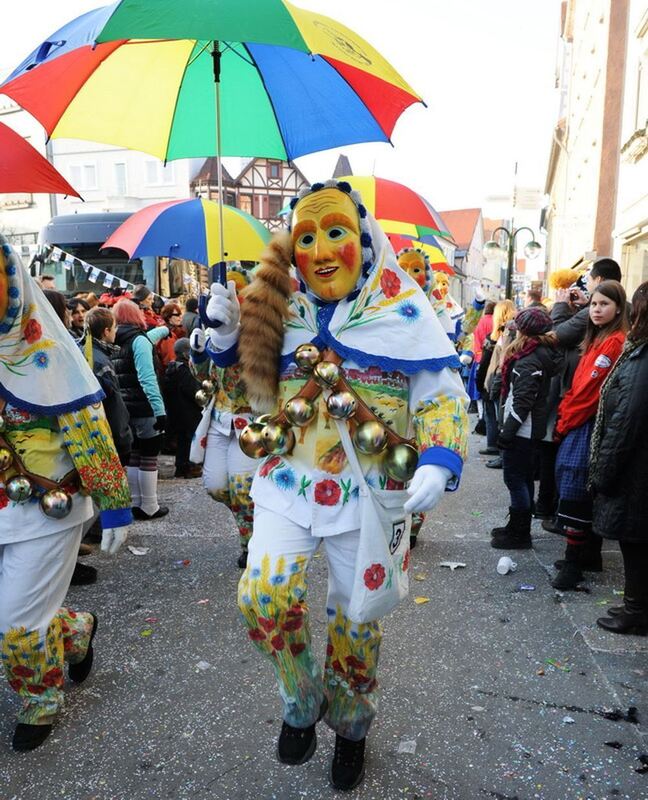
348, 766
517, 534
242, 559
632, 619
553, 525
504, 528
83, 575
297, 745
79, 672
570, 574
29, 737
591, 560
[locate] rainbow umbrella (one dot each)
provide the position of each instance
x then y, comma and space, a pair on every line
190, 229
24, 169
438, 261
399, 209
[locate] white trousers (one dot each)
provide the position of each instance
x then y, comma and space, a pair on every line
223, 458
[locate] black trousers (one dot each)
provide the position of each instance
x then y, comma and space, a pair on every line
183, 446
635, 565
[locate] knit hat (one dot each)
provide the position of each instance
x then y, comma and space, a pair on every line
533, 321
182, 347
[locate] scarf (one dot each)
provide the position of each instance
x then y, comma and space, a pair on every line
41, 368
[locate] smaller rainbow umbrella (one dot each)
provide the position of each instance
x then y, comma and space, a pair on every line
438, 261
190, 229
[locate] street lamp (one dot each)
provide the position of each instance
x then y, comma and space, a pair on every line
494, 251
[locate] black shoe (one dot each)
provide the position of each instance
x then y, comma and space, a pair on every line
242, 559
500, 531
614, 611
94, 534
472, 407
587, 565
552, 526
413, 540
480, 427
542, 511
517, 533
495, 463
297, 745
489, 451
142, 515
625, 622
569, 577
83, 575
79, 672
29, 737
180, 473
348, 765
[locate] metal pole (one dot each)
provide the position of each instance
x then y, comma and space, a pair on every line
216, 55
509, 268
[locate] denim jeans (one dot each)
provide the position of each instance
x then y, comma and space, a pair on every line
518, 465
490, 418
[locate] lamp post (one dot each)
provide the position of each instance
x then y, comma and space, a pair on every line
493, 250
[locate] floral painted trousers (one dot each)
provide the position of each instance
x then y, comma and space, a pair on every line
37, 635
227, 476
272, 600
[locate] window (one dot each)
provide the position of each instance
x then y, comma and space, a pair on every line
245, 202
157, 174
274, 169
274, 205
83, 176
120, 180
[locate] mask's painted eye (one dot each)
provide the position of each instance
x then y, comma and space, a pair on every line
336, 233
306, 239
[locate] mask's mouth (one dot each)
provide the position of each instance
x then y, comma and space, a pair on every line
326, 272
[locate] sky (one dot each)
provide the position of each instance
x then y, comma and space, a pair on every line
485, 69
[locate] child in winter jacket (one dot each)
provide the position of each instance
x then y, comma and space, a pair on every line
528, 365
180, 393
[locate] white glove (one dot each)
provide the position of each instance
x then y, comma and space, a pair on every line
480, 294
113, 538
198, 340
465, 359
427, 487
223, 306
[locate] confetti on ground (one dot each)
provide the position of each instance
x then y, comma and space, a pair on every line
407, 746
524, 587
138, 551
420, 577
203, 665
420, 600
618, 592
182, 563
453, 565
146, 632
557, 665
569, 720
150, 619
540, 672
202, 602
476, 513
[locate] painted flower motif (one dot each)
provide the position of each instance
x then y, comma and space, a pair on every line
36, 688
4, 500
203, 442
406, 560
374, 577
16, 684
22, 671
292, 624
240, 423
267, 624
390, 283
285, 479
297, 647
41, 359
277, 642
256, 635
355, 663
408, 311
327, 493
269, 465
277, 580
53, 677
33, 331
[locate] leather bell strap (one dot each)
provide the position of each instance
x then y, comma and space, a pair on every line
311, 390
71, 478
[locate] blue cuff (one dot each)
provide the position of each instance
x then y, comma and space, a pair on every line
444, 457
223, 358
199, 358
478, 304
467, 353
116, 518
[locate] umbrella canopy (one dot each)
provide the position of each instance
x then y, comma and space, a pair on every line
291, 82
399, 209
23, 169
438, 261
190, 229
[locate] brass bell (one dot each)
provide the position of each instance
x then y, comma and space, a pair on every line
208, 386
56, 504
326, 374
400, 462
202, 398
19, 488
3, 423
299, 411
277, 439
307, 356
341, 405
250, 441
6, 459
370, 437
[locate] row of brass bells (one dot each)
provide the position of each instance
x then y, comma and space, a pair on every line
341, 405
264, 437
56, 503
19, 489
400, 462
299, 411
204, 395
6, 459
307, 356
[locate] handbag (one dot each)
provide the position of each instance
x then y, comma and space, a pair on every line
381, 578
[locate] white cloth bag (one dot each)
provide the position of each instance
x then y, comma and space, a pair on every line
381, 578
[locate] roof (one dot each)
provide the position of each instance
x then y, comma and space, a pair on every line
462, 223
343, 167
209, 172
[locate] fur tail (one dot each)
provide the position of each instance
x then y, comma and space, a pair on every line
263, 312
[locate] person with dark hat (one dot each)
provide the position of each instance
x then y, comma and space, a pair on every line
529, 363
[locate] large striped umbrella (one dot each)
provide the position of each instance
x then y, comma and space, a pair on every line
190, 229
399, 209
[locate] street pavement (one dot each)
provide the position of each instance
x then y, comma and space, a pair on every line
488, 691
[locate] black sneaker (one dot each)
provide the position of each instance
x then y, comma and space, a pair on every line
142, 515
242, 559
79, 672
29, 737
348, 765
494, 463
297, 745
83, 575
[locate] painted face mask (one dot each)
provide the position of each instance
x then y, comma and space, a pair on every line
326, 242
416, 264
441, 284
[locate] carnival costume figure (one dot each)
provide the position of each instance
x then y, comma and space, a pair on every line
227, 471
56, 457
360, 347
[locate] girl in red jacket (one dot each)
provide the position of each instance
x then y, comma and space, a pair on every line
604, 339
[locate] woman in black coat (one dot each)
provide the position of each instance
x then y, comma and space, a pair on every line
619, 470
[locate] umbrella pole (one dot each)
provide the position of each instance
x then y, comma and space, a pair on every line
222, 273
